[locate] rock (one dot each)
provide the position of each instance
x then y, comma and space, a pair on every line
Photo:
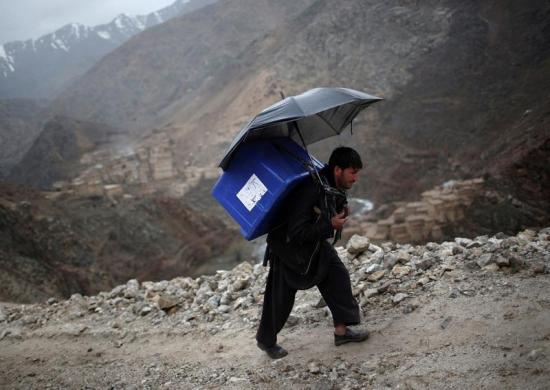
485, 259
240, 284
51, 301
118, 291
14, 333
423, 281
370, 292
447, 267
357, 244
399, 297
491, 267
432, 246
368, 367
409, 308
390, 260
239, 302
375, 248
388, 285
454, 293
377, 257
527, 235
226, 298
473, 244
132, 289
292, 321
400, 271
538, 268
244, 268
403, 257
372, 268
28, 320
456, 250
73, 329
213, 301
376, 276
516, 262
445, 323
77, 298
445, 253
313, 367
224, 309
463, 241
141, 308
535, 354
502, 261
425, 263
164, 302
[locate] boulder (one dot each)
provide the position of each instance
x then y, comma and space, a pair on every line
357, 244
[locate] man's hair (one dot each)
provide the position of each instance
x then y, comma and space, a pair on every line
345, 157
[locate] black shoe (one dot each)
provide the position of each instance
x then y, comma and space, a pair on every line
351, 337
274, 352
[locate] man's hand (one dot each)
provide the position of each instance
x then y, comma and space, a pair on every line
338, 221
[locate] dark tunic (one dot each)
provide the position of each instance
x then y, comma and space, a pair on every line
304, 236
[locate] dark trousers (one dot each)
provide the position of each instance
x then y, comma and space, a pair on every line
279, 299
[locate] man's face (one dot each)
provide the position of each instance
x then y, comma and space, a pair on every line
345, 178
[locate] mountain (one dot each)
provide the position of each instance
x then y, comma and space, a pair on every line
163, 69
56, 153
42, 68
19, 125
459, 80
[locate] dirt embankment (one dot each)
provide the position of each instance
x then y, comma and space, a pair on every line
90, 244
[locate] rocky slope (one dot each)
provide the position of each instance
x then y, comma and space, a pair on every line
458, 83
56, 153
43, 67
54, 244
127, 88
460, 314
19, 126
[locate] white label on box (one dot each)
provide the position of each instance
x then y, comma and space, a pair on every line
252, 192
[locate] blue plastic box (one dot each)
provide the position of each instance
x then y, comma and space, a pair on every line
261, 173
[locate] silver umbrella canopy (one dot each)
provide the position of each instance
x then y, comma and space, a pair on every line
306, 118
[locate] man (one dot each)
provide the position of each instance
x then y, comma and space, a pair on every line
300, 256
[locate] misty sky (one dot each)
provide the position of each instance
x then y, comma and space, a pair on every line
25, 19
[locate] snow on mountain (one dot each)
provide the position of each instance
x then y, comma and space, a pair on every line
41, 68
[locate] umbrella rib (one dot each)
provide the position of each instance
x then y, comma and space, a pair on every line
328, 123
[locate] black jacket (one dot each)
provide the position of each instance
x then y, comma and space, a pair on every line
300, 241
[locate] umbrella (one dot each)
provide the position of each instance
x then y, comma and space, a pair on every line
306, 118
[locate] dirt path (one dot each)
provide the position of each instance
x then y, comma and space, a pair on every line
499, 339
